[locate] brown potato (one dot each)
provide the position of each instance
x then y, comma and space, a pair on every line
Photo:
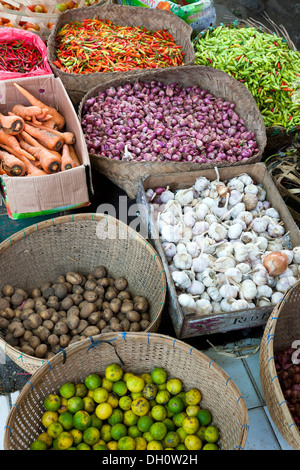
61, 290
22, 292
43, 333
40, 301
60, 328
33, 321
64, 341
104, 282
99, 304
48, 324
69, 286
36, 293
116, 326
27, 335
41, 351
53, 340
67, 303
101, 324
82, 325
133, 316
121, 283
53, 302
105, 305
10, 339
8, 290
26, 349
140, 304
73, 311
126, 307
108, 314
111, 293
4, 322
100, 291
4, 303
145, 316
73, 278
72, 321
61, 279
62, 314
46, 314
90, 285
77, 298
90, 296
49, 355
124, 295
115, 305
135, 326
90, 331
47, 292
87, 309
99, 272
55, 317
121, 316
106, 329
126, 324
8, 313
34, 341
29, 303
144, 324
77, 289
94, 318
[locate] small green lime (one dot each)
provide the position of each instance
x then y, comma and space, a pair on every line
67, 390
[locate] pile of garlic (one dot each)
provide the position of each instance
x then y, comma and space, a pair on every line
225, 244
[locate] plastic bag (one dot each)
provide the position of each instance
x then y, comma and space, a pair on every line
12, 34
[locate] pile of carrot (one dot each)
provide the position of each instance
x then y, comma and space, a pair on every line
33, 141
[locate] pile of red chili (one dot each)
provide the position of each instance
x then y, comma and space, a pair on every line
19, 56
96, 45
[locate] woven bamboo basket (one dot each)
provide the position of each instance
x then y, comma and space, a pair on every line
278, 136
282, 329
126, 175
41, 252
154, 20
137, 353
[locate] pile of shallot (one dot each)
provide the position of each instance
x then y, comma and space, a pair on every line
165, 122
225, 244
288, 372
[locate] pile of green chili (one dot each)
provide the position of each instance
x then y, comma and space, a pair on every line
263, 62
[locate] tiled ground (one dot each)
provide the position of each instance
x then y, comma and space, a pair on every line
244, 372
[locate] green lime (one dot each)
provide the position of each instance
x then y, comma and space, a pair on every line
38, 445
114, 372
144, 423
162, 397
88, 404
100, 447
118, 430
133, 431
52, 402
77, 436
100, 395
81, 390
120, 388
66, 420
116, 417
210, 446
211, 434
130, 418
178, 418
126, 443
158, 375
125, 403
95, 421
105, 432
174, 386
91, 436
150, 391
171, 439
75, 404
54, 430
44, 437
159, 412
158, 431
204, 417
170, 424
176, 405
81, 420
92, 381
64, 440
83, 446
67, 390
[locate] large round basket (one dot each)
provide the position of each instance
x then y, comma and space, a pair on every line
127, 175
41, 252
152, 19
282, 329
138, 353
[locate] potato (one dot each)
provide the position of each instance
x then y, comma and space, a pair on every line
126, 307
117, 326
19, 331
22, 292
48, 324
61, 279
108, 314
77, 289
111, 293
100, 291
105, 305
27, 335
60, 328
133, 316
83, 279
62, 313
48, 292
77, 298
53, 302
90, 285
73, 278
94, 317
11, 340
43, 333
41, 351
87, 309
46, 314
90, 296
104, 282
33, 321
64, 341
144, 324
73, 311
140, 304
53, 340
61, 291
29, 303
124, 295
4, 322
36, 293
72, 321
8, 313
49, 355
107, 329
40, 301
99, 304
82, 325
68, 286
4, 303
126, 324
34, 341
12, 326
135, 326
90, 331
115, 305
99, 272
8, 290
67, 303
145, 316
121, 283
121, 316
101, 324
26, 349
40, 308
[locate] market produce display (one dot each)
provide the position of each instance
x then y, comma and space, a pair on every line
96, 45
165, 122
226, 246
76, 306
33, 142
289, 380
121, 410
263, 62
19, 56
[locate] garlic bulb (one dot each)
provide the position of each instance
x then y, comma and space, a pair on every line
276, 297
200, 227
248, 237
235, 197
235, 210
285, 283
189, 219
182, 260
193, 249
169, 218
234, 274
262, 243
181, 279
296, 252
259, 224
199, 264
169, 249
196, 287
187, 302
225, 249
228, 291
234, 231
209, 278
237, 184
264, 303
261, 194
244, 268
275, 230
171, 233
226, 304
181, 248
248, 289
251, 188
271, 212
203, 306
217, 231
184, 196
224, 263
201, 183
214, 293
259, 277
240, 304
250, 200
240, 252
209, 202
246, 216
246, 179
166, 196
264, 291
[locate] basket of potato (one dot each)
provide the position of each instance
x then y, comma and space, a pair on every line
74, 277
129, 391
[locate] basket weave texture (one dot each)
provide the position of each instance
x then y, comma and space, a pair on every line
137, 353
154, 20
282, 329
126, 175
42, 252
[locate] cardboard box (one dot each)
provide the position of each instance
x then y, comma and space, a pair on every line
197, 325
199, 15
41, 195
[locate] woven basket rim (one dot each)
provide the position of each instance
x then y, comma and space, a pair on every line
268, 343
37, 377
21, 234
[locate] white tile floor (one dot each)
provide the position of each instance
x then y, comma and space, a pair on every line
262, 434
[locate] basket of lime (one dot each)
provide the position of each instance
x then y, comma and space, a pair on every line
128, 391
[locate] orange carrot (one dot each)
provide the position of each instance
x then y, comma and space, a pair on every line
32, 141
12, 166
68, 137
31, 169
47, 161
11, 142
57, 117
2, 172
66, 161
73, 155
12, 124
46, 138
29, 113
